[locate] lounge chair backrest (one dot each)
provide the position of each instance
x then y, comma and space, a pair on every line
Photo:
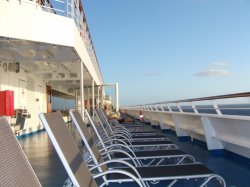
89, 138
15, 169
67, 149
105, 126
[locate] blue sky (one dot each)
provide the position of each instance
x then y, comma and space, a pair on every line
161, 50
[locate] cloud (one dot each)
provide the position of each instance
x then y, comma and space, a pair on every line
215, 69
152, 74
219, 65
214, 73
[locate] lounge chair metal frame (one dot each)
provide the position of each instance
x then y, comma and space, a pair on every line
101, 115
106, 151
55, 120
73, 175
139, 147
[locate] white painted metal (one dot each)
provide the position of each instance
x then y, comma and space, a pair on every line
102, 96
178, 126
219, 131
216, 108
117, 96
47, 55
156, 108
76, 97
169, 108
179, 107
98, 97
93, 98
194, 108
210, 133
37, 28
88, 99
82, 91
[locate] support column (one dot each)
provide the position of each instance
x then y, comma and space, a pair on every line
82, 91
102, 104
93, 98
76, 98
98, 97
72, 8
88, 99
117, 96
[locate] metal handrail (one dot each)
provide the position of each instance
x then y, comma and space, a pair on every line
174, 106
228, 96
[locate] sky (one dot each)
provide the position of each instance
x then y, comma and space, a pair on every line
165, 50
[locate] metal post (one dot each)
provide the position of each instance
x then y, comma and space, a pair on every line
156, 108
216, 107
93, 97
72, 8
88, 99
117, 97
98, 97
102, 96
169, 108
78, 14
162, 108
82, 91
179, 107
194, 108
76, 98
67, 8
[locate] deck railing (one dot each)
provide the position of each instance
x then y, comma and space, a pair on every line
72, 9
231, 104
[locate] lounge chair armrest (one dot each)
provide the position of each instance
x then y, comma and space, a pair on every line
139, 181
134, 159
121, 162
114, 141
119, 136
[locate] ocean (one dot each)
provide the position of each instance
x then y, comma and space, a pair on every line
226, 109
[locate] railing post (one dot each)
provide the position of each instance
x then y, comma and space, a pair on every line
169, 108
194, 108
162, 108
150, 108
216, 108
156, 107
179, 107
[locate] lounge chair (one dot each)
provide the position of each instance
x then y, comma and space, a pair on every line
15, 169
136, 130
121, 130
158, 157
72, 159
73, 162
104, 137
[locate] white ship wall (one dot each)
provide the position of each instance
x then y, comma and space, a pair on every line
225, 132
29, 93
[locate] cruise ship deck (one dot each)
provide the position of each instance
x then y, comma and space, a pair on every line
51, 173
47, 58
